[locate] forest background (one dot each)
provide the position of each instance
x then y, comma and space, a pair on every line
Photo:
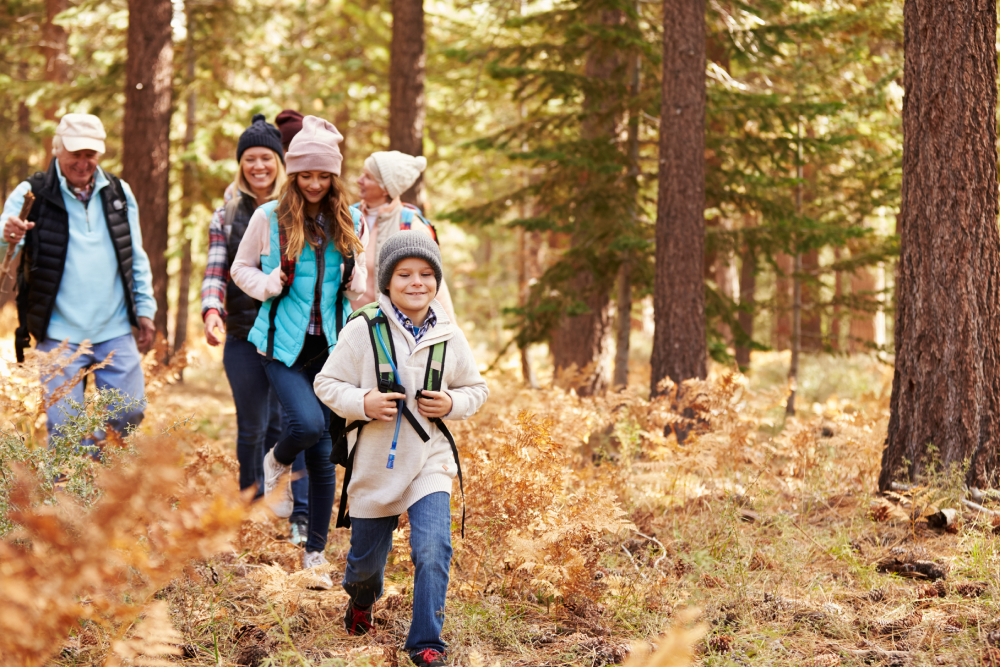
540, 123
581, 196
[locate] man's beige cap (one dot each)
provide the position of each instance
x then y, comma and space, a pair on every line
81, 131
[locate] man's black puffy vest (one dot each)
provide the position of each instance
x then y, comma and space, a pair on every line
43, 257
241, 309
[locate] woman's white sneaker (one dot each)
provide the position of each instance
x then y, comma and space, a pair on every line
320, 580
277, 486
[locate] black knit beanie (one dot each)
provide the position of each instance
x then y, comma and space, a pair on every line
260, 133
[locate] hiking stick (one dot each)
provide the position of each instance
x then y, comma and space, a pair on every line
29, 199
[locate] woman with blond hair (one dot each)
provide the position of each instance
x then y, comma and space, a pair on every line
230, 313
292, 258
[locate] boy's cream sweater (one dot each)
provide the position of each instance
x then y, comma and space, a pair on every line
420, 468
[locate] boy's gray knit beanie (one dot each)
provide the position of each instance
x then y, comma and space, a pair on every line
403, 245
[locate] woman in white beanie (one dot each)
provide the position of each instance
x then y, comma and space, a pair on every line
384, 179
292, 259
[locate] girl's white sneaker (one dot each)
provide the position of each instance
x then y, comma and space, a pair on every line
321, 580
277, 486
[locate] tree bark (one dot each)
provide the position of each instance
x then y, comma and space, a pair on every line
838, 294
724, 277
623, 327
862, 321
812, 319
407, 71
583, 341
748, 288
54, 45
23, 129
189, 187
526, 270
945, 404
623, 332
679, 346
146, 154
781, 331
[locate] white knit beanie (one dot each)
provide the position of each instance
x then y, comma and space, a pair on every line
396, 172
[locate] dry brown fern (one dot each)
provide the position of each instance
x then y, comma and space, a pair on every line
67, 563
530, 516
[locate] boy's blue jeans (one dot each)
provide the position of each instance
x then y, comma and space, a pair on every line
258, 420
124, 373
430, 550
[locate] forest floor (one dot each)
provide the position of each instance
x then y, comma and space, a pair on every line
590, 532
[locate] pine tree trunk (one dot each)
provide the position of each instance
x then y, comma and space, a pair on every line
581, 342
146, 154
525, 272
724, 276
945, 405
24, 129
748, 288
781, 316
838, 294
812, 320
407, 71
584, 341
862, 321
679, 346
55, 41
624, 326
189, 187
793, 367
623, 333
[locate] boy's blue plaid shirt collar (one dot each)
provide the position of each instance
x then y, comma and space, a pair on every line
418, 332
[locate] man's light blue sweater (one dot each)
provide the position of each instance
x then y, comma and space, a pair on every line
90, 304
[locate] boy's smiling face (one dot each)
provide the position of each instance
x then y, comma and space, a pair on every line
413, 287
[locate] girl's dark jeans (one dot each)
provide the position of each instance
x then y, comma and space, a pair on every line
307, 429
258, 420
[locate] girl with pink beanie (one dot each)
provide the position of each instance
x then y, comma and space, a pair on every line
292, 259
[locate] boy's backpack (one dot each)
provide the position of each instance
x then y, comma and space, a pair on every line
385, 362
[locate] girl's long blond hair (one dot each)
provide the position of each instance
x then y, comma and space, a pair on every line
340, 224
279, 180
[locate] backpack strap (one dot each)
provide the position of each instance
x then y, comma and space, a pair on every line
458, 464
345, 281
288, 267
435, 366
343, 516
348, 272
232, 206
378, 331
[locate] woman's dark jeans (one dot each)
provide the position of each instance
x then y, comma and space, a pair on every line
307, 429
258, 420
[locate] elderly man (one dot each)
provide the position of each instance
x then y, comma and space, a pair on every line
83, 275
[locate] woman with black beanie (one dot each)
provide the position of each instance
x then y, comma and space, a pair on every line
226, 309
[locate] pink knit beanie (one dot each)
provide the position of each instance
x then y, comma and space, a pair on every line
315, 148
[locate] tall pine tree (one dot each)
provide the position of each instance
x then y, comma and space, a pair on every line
577, 99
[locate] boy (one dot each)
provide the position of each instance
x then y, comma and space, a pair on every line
404, 459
